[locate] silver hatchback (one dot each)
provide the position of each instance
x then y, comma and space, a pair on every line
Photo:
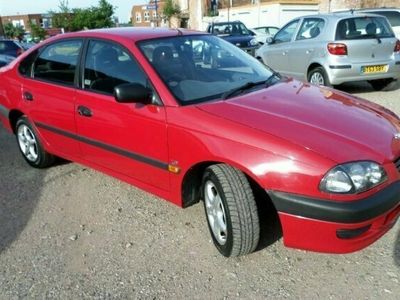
331, 49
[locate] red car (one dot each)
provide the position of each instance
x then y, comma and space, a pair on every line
188, 116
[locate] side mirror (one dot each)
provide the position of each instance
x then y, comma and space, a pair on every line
132, 93
270, 40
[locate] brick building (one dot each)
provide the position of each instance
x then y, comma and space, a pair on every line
147, 14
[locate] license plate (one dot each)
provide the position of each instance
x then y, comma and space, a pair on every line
374, 69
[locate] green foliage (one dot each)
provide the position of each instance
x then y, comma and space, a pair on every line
75, 19
37, 32
12, 31
170, 9
63, 18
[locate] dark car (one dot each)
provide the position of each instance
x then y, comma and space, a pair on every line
235, 33
11, 48
5, 60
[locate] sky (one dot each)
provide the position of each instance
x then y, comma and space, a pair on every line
15, 7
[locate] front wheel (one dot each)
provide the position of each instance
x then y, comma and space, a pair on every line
318, 76
30, 145
231, 210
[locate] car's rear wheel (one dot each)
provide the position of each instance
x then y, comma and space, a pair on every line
231, 210
380, 84
318, 76
31, 146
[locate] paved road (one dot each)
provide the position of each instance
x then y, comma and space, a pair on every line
70, 232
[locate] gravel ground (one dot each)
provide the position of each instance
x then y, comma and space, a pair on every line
71, 232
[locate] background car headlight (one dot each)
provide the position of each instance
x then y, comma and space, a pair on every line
353, 177
253, 42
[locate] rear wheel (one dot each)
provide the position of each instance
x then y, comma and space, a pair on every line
30, 145
380, 84
318, 76
231, 210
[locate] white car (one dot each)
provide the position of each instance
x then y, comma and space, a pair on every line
262, 33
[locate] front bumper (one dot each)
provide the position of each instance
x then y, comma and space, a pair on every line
336, 227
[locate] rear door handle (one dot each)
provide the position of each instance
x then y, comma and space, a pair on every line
84, 111
28, 96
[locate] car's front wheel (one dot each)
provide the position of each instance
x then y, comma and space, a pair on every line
231, 210
30, 145
318, 76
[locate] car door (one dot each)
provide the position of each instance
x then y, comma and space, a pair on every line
48, 93
276, 53
127, 138
305, 46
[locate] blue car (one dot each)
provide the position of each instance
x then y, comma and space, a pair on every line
236, 33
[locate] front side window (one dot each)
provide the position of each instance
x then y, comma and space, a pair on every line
311, 28
57, 62
108, 65
201, 68
286, 33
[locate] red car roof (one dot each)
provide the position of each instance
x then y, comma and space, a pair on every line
131, 33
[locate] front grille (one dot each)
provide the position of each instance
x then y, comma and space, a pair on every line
397, 163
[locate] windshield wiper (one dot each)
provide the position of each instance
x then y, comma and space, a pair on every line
250, 84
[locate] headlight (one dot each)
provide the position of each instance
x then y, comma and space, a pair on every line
253, 42
353, 178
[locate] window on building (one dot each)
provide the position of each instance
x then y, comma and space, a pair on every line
146, 16
138, 17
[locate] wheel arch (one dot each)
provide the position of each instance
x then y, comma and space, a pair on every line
313, 66
13, 117
191, 182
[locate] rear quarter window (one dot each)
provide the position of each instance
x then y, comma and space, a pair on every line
363, 28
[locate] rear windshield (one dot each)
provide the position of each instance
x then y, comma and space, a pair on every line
363, 28
230, 29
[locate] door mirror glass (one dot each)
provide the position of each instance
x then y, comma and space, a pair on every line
132, 93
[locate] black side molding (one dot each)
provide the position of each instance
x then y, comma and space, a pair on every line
341, 212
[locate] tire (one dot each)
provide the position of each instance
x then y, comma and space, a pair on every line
30, 145
380, 84
318, 76
229, 200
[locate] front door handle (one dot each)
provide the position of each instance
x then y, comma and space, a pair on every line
84, 111
28, 96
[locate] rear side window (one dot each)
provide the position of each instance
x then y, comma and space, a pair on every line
108, 65
393, 16
57, 62
363, 28
311, 28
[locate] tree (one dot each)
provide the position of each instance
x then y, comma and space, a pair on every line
37, 32
75, 19
170, 10
63, 18
12, 31
93, 17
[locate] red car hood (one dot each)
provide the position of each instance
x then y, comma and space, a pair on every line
332, 124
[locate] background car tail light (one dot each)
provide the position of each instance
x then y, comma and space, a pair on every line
397, 47
337, 49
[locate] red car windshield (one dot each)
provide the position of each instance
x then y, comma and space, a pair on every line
201, 68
